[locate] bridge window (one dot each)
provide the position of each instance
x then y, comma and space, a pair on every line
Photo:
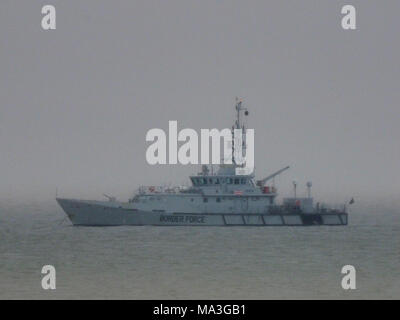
216, 181
243, 181
204, 181
229, 181
236, 181
218, 199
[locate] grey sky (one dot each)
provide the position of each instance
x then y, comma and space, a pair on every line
76, 103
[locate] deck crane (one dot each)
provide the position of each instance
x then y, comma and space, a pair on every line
262, 182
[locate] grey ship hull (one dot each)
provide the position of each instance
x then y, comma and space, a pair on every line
99, 213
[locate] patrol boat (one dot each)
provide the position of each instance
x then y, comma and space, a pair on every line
224, 198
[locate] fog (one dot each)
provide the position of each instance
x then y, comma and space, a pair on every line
76, 102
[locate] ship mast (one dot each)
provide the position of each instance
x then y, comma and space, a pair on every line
239, 125
239, 107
